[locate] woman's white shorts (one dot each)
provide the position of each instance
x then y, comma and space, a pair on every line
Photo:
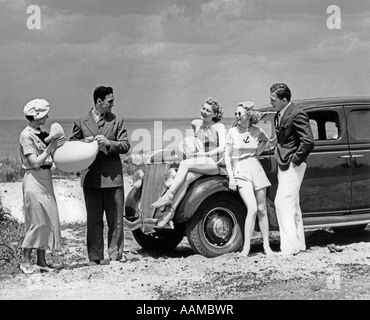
250, 169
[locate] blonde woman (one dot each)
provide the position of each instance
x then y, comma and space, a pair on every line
244, 143
211, 132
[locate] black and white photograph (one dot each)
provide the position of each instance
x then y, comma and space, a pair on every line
208, 151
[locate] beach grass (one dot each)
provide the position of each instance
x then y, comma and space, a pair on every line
11, 237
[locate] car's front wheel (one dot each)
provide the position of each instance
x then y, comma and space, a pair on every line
217, 226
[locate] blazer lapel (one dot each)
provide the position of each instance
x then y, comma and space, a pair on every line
286, 115
108, 125
90, 123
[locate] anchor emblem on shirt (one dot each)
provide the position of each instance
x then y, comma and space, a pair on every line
246, 140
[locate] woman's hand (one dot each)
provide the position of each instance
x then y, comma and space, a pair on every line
55, 143
232, 184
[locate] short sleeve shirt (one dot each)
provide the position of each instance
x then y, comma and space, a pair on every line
245, 142
30, 142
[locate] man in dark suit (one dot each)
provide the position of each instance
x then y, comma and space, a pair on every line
102, 182
294, 143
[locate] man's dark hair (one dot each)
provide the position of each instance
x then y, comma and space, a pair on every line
282, 91
101, 92
30, 118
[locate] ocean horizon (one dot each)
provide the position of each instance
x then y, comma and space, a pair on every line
144, 134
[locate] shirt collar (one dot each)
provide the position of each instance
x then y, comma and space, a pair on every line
282, 111
96, 115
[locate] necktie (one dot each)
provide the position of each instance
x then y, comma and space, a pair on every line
101, 121
277, 121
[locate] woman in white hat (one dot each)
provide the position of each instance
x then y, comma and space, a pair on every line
40, 208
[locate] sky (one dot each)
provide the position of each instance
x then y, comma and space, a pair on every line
163, 58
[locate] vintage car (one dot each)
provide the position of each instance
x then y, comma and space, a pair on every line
335, 191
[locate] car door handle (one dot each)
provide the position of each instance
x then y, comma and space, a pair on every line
357, 156
345, 157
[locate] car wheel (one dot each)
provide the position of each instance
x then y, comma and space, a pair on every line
216, 227
160, 240
349, 229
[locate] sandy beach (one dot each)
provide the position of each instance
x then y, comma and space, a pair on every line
181, 274
68, 192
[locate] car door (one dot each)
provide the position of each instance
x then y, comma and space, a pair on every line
326, 187
358, 118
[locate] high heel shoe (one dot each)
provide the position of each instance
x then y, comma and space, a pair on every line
164, 200
167, 218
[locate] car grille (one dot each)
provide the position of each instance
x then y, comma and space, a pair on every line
153, 187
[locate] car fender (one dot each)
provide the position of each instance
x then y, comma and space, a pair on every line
132, 201
200, 190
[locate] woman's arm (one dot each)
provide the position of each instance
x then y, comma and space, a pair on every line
263, 141
228, 154
38, 160
261, 147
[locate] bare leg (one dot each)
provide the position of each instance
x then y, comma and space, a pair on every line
263, 219
180, 193
190, 177
204, 165
247, 194
199, 165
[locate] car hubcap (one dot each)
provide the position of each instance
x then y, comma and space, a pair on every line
219, 226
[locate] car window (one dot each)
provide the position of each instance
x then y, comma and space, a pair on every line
325, 124
315, 132
267, 125
359, 123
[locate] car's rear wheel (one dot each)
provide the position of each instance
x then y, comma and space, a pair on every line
217, 226
165, 239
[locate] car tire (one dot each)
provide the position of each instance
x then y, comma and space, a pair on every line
165, 239
216, 227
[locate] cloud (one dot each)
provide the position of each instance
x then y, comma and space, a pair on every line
163, 56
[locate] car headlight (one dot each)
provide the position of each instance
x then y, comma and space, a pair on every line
137, 178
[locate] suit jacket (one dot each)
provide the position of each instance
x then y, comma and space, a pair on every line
294, 138
106, 170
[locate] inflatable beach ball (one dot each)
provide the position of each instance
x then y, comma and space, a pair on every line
75, 156
188, 146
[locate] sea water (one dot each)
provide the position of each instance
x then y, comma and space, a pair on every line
144, 135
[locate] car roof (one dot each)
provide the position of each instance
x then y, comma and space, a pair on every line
328, 101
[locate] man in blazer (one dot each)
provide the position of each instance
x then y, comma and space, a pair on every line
102, 182
294, 143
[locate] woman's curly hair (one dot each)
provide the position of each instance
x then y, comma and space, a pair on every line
217, 109
252, 113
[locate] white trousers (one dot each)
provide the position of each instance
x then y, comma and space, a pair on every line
288, 210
